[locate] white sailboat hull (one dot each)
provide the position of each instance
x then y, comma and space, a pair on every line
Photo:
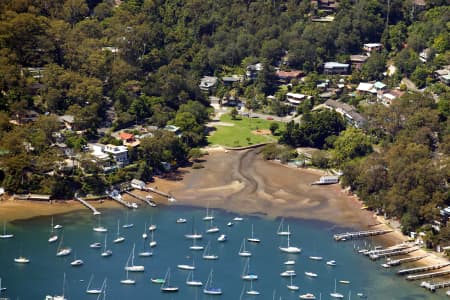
290, 249
135, 268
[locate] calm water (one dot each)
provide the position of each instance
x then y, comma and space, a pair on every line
44, 274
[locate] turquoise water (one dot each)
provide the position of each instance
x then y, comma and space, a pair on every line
44, 274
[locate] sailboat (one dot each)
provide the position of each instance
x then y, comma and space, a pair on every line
106, 252
21, 260
92, 291
144, 235
152, 226
281, 230
166, 287
58, 297
208, 216
103, 290
212, 228
251, 291
209, 289
246, 274
132, 267
63, 251
127, 280
76, 262
190, 280
242, 251
207, 255
335, 294
307, 296
144, 252
2, 289
289, 248
127, 225
53, 237
195, 247
253, 239
292, 286
152, 242
119, 239
193, 234
5, 235
310, 274
186, 267
99, 227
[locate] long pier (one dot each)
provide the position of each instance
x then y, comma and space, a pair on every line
387, 250
358, 234
88, 205
394, 253
434, 286
428, 275
396, 262
169, 197
422, 269
149, 202
119, 199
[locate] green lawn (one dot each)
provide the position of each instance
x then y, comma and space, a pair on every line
240, 134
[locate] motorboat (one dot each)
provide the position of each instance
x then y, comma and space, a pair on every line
21, 260
307, 296
289, 262
181, 221
288, 273
95, 245
222, 238
331, 263
316, 257
310, 274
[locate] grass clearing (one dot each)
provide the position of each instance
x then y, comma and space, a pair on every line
243, 132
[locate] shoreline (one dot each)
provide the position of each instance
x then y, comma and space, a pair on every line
268, 188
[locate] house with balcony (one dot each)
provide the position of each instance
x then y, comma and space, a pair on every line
331, 68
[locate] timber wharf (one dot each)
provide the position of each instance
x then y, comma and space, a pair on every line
358, 234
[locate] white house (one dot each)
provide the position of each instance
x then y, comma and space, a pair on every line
208, 83
335, 68
295, 98
118, 153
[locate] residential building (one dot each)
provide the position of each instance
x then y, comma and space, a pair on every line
67, 121
128, 139
253, 70
208, 83
349, 112
331, 68
173, 128
24, 117
230, 80
372, 47
118, 153
357, 61
443, 75
294, 98
287, 76
366, 87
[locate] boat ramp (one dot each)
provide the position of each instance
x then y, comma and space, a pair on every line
359, 234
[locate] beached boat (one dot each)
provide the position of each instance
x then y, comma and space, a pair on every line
209, 289
191, 281
130, 263
335, 294
222, 238
118, 239
281, 230
289, 248
326, 180
310, 274
90, 290
63, 251
53, 237
207, 255
246, 274
21, 260
193, 235
166, 287
196, 247
127, 280
5, 235
292, 286
331, 263
288, 273
253, 239
106, 252
99, 227
307, 296
242, 251
251, 291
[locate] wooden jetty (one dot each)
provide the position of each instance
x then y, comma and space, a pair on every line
358, 234
394, 253
169, 197
427, 275
144, 199
87, 204
396, 262
422, 269
387, 250
434, 286
117, 197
